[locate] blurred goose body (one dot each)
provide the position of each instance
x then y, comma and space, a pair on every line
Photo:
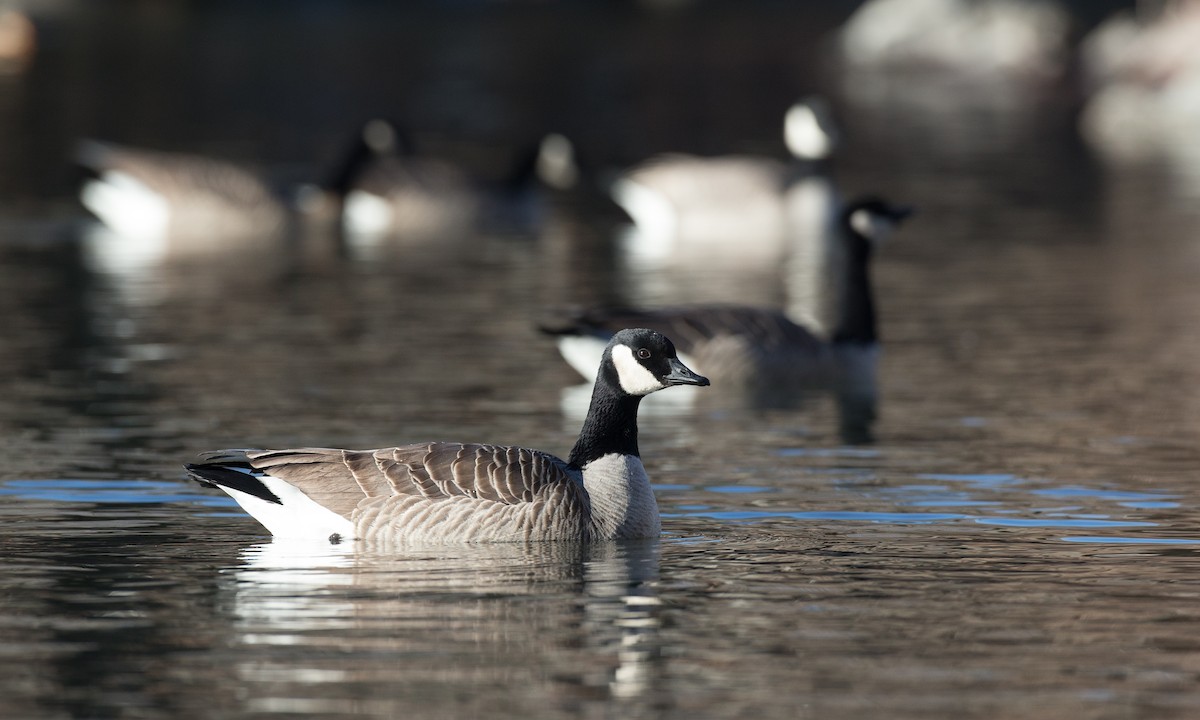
465, 492
709, 202
977, 38
408, 194
1144, 74
149, 195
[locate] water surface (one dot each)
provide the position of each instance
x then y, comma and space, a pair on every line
1021, 540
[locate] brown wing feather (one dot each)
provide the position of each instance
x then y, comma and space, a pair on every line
341, 479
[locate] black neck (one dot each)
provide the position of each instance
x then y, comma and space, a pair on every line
611, 423
857, 321
803, 168
342, 176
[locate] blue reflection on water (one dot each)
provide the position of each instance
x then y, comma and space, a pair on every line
1075, 491
664, 487
1130, 540
1061, 522
980, 479
874, 517
839, 452
111, 491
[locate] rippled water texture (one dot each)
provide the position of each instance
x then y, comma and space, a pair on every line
1021, 540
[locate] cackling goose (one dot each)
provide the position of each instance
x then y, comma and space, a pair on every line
760, 354
149, 194
460, 492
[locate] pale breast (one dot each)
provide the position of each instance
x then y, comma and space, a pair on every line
622, 502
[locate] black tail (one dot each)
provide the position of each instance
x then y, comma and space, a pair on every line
224, 474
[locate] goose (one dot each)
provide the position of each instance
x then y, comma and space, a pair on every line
405, 193
1143, 76
979, 39
761, 354
149, 194
465, 492
711, 202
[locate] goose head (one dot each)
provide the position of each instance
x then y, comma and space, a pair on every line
376, 139
874, 219
557, 164
639, 361
809, 129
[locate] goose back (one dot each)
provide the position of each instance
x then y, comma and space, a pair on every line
439, 491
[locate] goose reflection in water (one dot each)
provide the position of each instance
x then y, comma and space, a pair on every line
553, 611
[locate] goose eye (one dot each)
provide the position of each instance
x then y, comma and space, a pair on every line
643, 353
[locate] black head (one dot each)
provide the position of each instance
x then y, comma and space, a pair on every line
374, 140
642, 361
385, 137
874, 219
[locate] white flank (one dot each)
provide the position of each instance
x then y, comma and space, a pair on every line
366, 213
127, 206
582, 353
298, 517
635, 379
652, 213
805, 137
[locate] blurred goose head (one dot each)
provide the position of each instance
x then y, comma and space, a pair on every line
809, 129
874, 219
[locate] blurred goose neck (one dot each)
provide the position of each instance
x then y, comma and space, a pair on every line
856, 323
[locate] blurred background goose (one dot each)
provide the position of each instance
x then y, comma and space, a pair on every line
149, 194
454, 492
18, 40
404, 192
761, 356
719, 203
1142, 71
980, 39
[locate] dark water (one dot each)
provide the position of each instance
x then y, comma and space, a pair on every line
1020, 541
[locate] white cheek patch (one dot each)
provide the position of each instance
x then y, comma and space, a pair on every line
635, 379
871, 226
804, 136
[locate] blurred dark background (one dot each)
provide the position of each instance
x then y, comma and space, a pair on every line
283, 82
